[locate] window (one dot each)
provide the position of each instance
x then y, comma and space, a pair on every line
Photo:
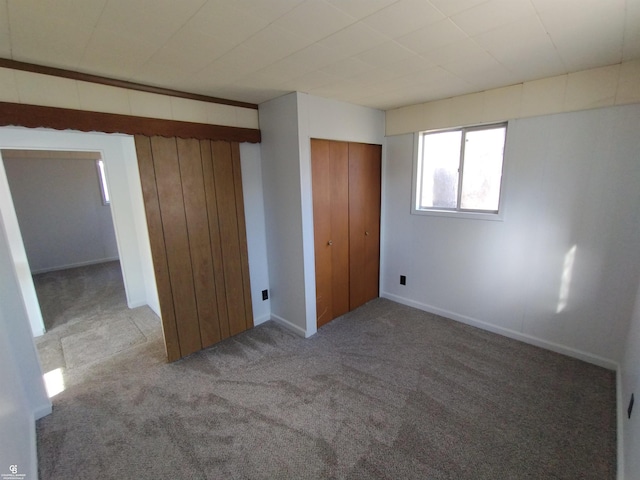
103, 183
460, 170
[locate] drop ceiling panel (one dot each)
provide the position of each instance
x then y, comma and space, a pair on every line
631, 46
115, 53
404, 17
349, 67
413, 64
373, 52
481, 71
385, 54
37, 40
269, 11
276, 43
190, 50
152, 21
437, 35
360, 9
451, 7
525, 39
353, 39
492, 14
572, 33
458, 51
5, 38
314, 20
311, 81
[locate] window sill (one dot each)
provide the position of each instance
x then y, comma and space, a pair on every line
495, 217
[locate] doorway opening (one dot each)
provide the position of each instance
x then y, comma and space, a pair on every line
93, 289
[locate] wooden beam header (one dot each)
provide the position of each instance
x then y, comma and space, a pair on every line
34, 116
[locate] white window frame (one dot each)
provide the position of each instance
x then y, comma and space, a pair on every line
455, 212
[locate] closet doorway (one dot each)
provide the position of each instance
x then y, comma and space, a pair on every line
346, 217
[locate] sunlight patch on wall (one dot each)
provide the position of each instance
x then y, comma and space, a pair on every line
565, 280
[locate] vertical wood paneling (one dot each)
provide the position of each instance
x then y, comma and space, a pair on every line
228, 222
242, 234
199, 239
168, 181
158, 249
214, 233
195, 212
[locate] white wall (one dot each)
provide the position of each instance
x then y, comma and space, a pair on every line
256, 235
283, 217
571, 180
630, 376
333, 120
127, 208
288, 123
23, 397
62, 218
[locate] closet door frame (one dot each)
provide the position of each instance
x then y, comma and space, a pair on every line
346, 225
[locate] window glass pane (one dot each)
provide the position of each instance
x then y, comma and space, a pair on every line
441, 161
482, 169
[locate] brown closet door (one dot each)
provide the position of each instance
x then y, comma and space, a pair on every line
195, 215
364, 222
330, 171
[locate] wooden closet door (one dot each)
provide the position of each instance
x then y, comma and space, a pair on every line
195, 216
364, 222
330, 171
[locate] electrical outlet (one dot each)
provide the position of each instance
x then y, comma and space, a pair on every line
630, 407
403, 280
265, 295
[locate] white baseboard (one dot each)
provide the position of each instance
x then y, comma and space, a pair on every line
260, 320
74, 265
287, 324
137, 303
42, 411
523, 337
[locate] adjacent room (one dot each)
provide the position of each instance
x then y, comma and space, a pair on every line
63, 206
326, 239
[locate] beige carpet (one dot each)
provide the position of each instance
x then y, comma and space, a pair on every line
385, 392
87, 319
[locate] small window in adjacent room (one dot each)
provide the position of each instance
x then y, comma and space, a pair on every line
103, 183
459, 171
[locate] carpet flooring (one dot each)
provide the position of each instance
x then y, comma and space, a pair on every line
384, 392
86, 317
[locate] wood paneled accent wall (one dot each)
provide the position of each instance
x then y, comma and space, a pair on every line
195, 215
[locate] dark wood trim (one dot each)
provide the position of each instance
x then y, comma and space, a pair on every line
34, 116
112, 82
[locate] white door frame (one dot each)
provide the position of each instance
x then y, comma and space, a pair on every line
127, 209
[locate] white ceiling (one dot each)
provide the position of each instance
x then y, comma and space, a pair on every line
378, 53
